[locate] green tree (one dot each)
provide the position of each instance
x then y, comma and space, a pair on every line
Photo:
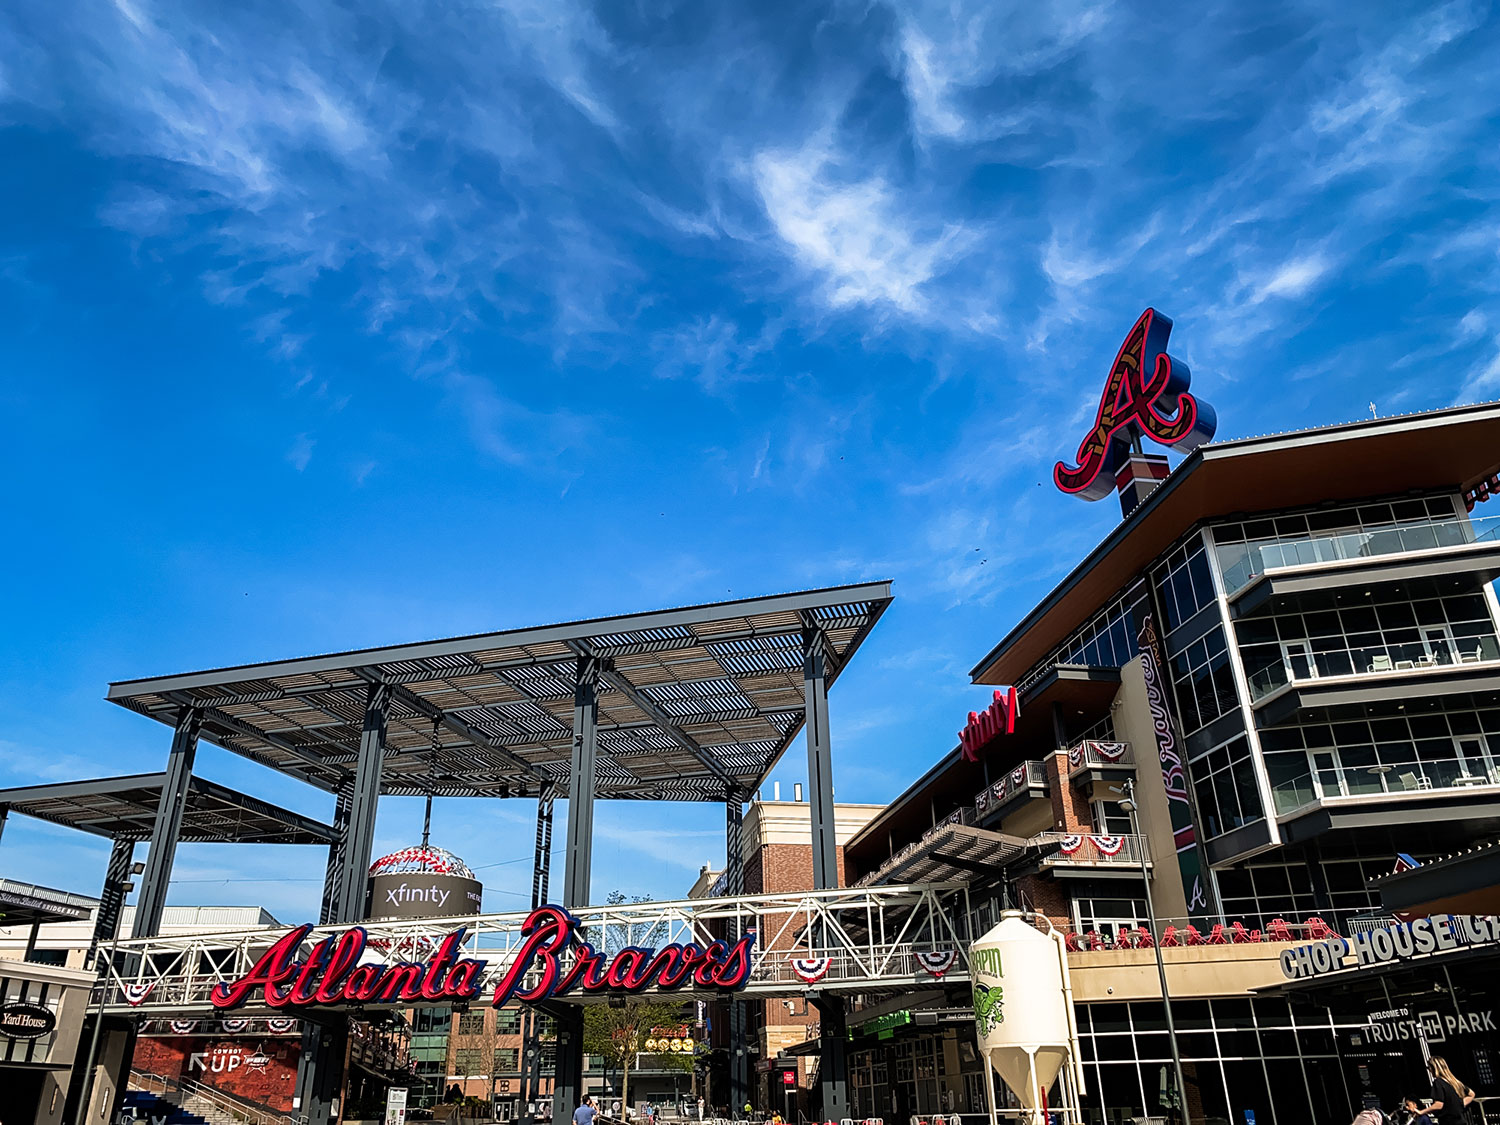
618, 1034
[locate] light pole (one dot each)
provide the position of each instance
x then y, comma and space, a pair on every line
1129, 805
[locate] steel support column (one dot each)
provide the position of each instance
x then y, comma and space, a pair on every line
819, 761
567, 1083
531, 1069
168, 826
320, 1071
833, 1058
112, 897
4, 816
364, 801
734, 884
333, 874
580, 854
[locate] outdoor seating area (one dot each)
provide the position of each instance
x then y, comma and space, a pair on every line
1174, 936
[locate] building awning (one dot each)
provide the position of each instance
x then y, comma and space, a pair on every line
954, 852
1467, 882
693, 703
124, 808
26, 904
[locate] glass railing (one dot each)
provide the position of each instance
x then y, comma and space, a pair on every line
1396, 777
1409, 657
1243, 563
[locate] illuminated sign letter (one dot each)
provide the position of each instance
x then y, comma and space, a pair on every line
1146, 395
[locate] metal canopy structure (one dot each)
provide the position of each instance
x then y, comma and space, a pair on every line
125, 808
692, 704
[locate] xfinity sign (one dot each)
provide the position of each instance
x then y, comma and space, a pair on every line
1436, 934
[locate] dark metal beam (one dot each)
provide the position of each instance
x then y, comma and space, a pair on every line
581, 785
819, 762
363, 805
551, 634
112, 897
409, 698
163, 848
333, 873
649, 708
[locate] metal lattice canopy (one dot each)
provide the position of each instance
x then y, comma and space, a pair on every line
694, 703
125, 808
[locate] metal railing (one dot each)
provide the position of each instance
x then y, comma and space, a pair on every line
1095, 850
871, 937
180, 1090
1094, 754
1305, 666
1023, 778
1243, 563
1171, 933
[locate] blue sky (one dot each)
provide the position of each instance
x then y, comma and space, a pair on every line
332, 325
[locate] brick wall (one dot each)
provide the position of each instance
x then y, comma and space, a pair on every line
1070, 803
261, 1070
1046, 895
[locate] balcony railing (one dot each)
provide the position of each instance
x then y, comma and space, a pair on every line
1304, 666
1242, 563
1095, 850
1093, 755
1385, 779
1024, 778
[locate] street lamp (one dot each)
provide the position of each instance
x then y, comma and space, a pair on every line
1129, 806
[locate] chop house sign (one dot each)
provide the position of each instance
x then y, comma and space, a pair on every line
332, 973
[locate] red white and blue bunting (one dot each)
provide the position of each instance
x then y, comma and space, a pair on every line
279, 1025
937, 962
235, 1024
810, 970
136, 993
1108, 845
182, 1027
1070, 844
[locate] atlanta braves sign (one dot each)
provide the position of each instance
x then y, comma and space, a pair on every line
1144, 396
334, 971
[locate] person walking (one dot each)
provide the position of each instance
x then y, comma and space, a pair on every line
1450, 1097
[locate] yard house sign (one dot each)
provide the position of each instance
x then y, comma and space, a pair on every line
332, 973
1145, 396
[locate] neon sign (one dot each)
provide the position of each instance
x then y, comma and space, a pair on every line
1146, 395
985, 726
332, 973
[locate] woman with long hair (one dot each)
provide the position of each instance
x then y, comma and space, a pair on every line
1449, 1095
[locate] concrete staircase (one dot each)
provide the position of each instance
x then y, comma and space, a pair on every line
153, 1109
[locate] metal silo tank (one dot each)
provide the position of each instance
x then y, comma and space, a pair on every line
1023, 1009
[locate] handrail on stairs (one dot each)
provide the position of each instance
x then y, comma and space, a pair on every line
144, 1080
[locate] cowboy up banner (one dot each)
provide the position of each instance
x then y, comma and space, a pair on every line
1173, 775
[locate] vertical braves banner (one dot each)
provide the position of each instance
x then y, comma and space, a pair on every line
1173, 775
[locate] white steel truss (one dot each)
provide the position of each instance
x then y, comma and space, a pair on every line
866, 940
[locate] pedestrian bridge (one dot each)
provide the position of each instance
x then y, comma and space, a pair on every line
855, 940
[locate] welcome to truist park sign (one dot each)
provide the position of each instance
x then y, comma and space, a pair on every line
1421, 937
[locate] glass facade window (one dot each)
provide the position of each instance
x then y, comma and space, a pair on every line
1342, 633
1234, 1053
1247, 550
471, 1023
469, 1060
507, 1060
1204, 682
1106, 640
1224, 783
508, 1021
1108, 915
1257, 892
1184, 582
1390, 753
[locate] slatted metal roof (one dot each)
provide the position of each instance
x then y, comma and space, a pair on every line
693, 702
124, 808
